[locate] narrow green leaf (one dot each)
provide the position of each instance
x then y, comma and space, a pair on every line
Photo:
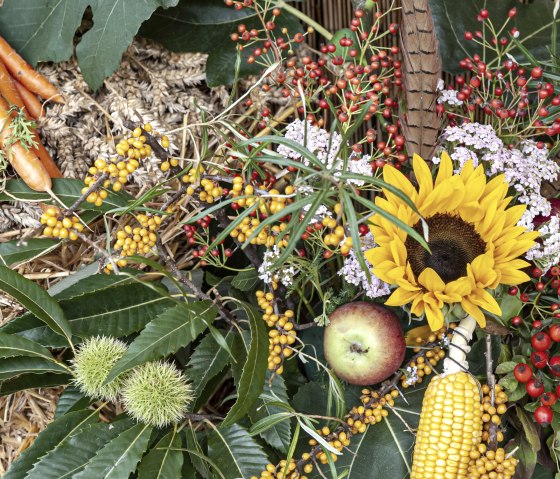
164, 461
13, 367
166, 334
12, 345
75, 450
251, 382
12, 252
37, 300
119, 457
56, 432
236, 453
196, 452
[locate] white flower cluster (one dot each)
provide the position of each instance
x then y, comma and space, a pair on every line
317, 140
353, 273
411, 375
547, 253
449, 97
325, 146
267, 272
525, 169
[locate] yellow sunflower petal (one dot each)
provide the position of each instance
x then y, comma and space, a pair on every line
486, 301
423, 177
401, 296
394, 177
431, 280
470, 308
434, 316
445, 170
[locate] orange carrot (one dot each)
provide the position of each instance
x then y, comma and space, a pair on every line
8, 88
24, 161
22, 71
45, 157
32, 104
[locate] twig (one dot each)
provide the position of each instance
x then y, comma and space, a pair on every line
222, 310
70, 211
159, 151
106, 255
491, 380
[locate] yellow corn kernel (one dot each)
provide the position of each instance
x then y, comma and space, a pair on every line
450, 428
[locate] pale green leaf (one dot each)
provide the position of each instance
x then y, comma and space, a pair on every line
164, 461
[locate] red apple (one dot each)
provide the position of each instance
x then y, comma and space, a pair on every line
364, 343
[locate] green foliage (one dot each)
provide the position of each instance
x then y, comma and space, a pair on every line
235, 452
42, 30
12, 252
164, 461
452, 19
206, 26
166, 334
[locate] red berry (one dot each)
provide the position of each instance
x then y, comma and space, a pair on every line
537, 324
555, 271
554, 306
539, 286
554, 365
541, 341
536, 72
484, 14
522, 372
363, 229
468, 36
558, 390
554, 333
537, 272
539, 359
513, 291
543, 415
516, 321
534, 388
548, 399
524, 297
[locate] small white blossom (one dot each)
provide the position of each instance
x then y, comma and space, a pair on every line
360, 166
268, 273
411, 375
449, 97
353, 273
546, 253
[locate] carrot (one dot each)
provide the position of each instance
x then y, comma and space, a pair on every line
32, 104
8, 88
46, 159
24, 161
22, 71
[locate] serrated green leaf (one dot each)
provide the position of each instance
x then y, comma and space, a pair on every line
118, 458
12, 252
235, 452
70, 399
164, 461
278, 435
30, 381
37, 300
251, 382
12, 345
246, 280
17, 366
529, 428
166, 334
508, 382
72, 454
196, 452
117, 311
207, 360
67, 190
56, 432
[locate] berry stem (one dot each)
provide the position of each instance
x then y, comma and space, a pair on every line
304, 18
70, 211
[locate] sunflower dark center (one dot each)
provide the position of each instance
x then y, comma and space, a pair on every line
454, 243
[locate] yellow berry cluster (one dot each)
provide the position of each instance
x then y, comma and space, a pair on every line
58, 227
266, 237
493, 412
488, 464
210, 190
140, 239
423, 365
371, 411
281, 335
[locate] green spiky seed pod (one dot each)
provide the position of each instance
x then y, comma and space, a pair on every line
156, 394
91, 365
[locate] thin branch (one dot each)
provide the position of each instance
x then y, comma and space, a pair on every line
70, 211
491, 380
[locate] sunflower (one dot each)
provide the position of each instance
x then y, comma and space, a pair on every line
473, 236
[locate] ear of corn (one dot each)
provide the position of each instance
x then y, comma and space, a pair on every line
450, 428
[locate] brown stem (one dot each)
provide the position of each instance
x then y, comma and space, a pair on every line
70, 211
222, 310
491, 380
159, 151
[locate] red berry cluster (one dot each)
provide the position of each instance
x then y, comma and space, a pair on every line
502, 90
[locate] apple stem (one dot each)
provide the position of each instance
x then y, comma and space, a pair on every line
459, 347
